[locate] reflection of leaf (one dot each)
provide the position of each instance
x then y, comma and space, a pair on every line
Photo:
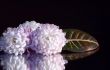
79, 41
79, 55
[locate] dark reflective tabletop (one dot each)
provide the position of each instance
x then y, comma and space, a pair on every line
40, 62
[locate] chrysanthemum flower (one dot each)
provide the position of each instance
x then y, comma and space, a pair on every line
14, 41
48, 39
28, 27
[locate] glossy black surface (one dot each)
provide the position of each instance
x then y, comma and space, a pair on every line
89, 16
34, 61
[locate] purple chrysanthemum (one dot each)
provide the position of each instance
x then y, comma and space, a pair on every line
48, 39
28, 27
14, 41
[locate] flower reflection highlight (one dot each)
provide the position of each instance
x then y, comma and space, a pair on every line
12, 62
33, 62
52, 62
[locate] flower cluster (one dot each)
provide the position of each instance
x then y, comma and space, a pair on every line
42, 38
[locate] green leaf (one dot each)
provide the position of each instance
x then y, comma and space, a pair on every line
79, 41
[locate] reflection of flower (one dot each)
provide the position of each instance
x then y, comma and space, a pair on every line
51, 62
32, 62
11, 62
48, 39
14, 41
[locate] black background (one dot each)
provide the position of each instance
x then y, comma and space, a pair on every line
89, 16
